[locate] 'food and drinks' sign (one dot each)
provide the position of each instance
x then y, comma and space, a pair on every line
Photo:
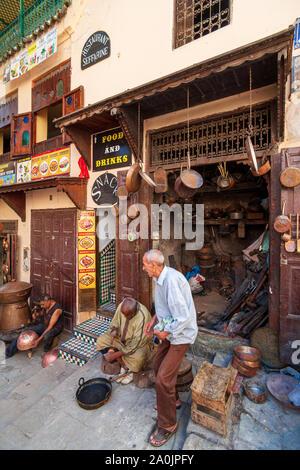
110, 150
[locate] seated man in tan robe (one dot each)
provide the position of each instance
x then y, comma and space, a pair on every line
126, 334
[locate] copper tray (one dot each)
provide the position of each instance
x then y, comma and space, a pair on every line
280, 385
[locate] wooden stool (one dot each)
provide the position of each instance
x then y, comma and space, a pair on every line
185, 376
110, 368
212, 396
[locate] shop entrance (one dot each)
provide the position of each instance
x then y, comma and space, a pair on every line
233, 263
106, 260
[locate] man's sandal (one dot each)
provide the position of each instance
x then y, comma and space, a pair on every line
160, 436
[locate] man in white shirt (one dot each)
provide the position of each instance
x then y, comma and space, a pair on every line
173, 298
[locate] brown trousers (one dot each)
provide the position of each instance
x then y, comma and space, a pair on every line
167, 362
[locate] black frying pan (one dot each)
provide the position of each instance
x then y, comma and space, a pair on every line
95, 392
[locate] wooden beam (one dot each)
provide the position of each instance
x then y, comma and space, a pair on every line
82, 139
76, 192
17, 202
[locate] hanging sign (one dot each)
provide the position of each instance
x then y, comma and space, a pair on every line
49, 164
24, 170
297, 34
96, 48
110, 150
7, 173
104, 190
33, 55
296, 74
87, 250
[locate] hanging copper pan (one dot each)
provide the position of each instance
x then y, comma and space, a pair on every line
282, 222
133, 178
188, 182
161, 180
290, 177
251, 154
147, 179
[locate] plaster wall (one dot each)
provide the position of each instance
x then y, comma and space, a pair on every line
141, 34
38, 199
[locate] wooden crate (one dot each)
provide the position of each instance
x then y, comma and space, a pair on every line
212, 396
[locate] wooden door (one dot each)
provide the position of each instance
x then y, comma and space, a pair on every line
130, 278
53, 258
289, 305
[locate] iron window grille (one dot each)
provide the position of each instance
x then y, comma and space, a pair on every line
212, 139
197, 18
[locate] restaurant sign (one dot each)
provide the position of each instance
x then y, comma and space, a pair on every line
96, 48
49, 164
110, 150
7, 174
104, 190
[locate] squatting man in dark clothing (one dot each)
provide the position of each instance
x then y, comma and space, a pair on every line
50, 324
176, 330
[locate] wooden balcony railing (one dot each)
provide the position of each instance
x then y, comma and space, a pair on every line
29, 24
48, 145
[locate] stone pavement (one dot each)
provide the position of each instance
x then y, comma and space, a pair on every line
39, 411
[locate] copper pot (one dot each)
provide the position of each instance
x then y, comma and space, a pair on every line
14, 291
14, 309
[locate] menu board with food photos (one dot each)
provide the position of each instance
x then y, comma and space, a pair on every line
24, 170
87, 250
49, 164
7, 174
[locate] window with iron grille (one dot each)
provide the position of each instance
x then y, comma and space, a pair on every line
197, 18
215, 138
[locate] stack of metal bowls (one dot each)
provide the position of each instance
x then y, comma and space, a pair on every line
246, 360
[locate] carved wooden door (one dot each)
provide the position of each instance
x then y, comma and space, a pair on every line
53, 258
130, 278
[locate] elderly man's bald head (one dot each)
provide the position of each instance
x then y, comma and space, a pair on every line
129, 307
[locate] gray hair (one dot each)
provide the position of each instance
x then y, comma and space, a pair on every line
155, 256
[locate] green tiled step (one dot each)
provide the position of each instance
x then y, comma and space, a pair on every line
82, 346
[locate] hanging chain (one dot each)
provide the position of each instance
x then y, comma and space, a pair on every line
188, 118
139, 131
250, 98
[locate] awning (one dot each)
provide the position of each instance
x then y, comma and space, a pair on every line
216, 78
14, 195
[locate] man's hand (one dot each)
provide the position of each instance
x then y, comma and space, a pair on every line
150, 325
36, 343
114, 332
109, 357
161, 334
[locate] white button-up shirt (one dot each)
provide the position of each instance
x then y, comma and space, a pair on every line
173, 297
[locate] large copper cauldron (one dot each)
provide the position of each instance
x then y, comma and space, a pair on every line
14, 309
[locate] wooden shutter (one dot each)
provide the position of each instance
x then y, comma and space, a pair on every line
72, 101
21, 134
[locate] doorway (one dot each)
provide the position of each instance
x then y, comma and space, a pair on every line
53, 258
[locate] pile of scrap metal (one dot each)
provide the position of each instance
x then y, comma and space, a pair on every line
249, 307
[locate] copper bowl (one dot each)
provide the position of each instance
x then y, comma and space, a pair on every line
246, 371
251, 364
26, 340
246, 353
255, 391
50, 357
